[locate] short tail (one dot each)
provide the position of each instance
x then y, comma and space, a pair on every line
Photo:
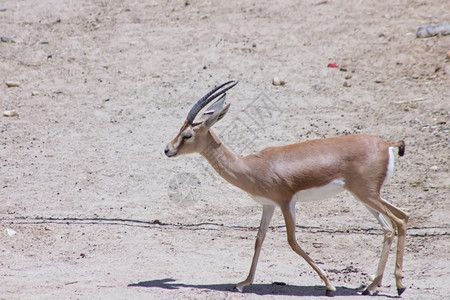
401, 147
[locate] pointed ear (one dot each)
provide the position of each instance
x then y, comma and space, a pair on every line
215, 112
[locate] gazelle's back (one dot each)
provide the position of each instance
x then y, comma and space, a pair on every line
286, 170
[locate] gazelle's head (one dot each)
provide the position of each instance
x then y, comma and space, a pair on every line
192, 135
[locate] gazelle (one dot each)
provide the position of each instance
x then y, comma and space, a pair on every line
307, 171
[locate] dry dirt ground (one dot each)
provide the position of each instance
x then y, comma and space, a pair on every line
92, 209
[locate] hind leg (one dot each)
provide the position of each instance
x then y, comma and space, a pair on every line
389, 233
399, 219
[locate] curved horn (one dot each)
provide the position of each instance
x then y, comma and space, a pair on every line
208, 98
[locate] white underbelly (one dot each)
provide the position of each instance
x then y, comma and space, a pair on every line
314, 194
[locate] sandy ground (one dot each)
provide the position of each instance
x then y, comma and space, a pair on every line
92, 209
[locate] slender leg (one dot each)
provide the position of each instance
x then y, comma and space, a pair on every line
399, 219
387, 243
265, 221
289, 217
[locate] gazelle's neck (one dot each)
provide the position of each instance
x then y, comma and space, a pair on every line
228, 165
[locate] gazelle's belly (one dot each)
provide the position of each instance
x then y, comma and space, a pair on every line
314, 194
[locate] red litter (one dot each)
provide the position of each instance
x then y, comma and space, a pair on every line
333, 65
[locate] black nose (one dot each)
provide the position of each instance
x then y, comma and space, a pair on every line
166, 150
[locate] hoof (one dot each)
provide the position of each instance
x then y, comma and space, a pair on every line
366, 293
400, 291
238, 289
330, 293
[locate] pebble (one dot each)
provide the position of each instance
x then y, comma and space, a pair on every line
278, 81
10, 231
347, 84
12, 83
10, 113
317, 245
34, 93
433, 29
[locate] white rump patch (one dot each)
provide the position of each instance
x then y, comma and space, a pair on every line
390, 166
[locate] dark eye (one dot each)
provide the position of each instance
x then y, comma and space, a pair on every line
187, 135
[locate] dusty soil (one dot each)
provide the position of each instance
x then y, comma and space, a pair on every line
92, 209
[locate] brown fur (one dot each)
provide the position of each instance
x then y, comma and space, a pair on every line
278, 173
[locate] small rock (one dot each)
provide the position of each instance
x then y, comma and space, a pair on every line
34, 93
348, 77
317, 245
3, 9
10, 232
347, 84
278, 81
433, 29
5, 39
47, 228
316, 87
10, 113
12, 83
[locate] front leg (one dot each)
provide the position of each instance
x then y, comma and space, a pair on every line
265, 221
289, 218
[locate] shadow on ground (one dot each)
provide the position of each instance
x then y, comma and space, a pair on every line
258, 289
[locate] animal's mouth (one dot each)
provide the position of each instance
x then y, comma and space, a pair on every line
169, 153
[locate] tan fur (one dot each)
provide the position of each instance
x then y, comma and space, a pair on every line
278, 173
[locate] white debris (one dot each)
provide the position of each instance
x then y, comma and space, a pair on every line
278, 81
10, 231
12, 83
10, 113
